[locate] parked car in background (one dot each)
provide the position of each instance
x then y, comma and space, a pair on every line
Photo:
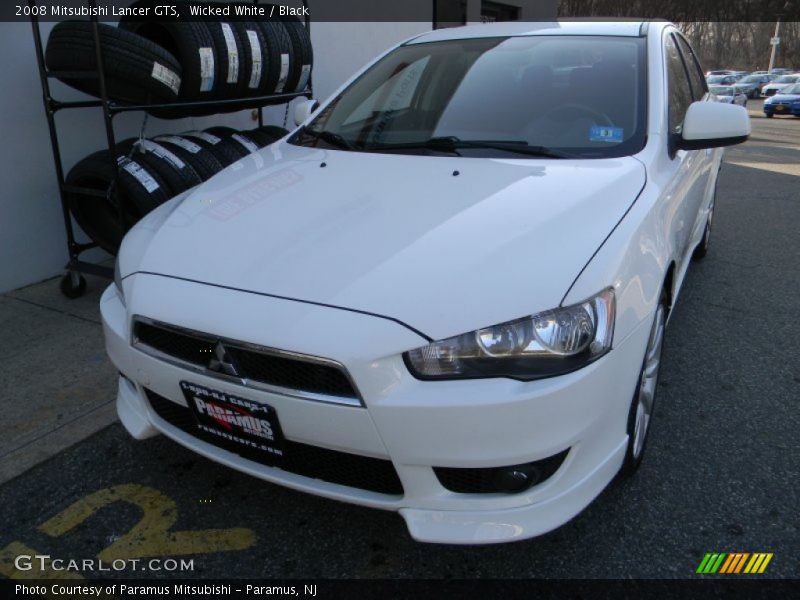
778, 84
722, 79
728, 94
781, 71
786, 103
752, 84
718, 72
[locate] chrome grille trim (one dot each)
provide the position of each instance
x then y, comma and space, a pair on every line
355, 401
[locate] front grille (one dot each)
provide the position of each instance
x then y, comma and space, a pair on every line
486, 481
355, 471
271, 367
770, 92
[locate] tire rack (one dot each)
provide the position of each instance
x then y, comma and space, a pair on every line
73, 283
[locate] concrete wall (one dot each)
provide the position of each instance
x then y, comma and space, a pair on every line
32, 238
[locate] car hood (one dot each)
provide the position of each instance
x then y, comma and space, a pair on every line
442, 244
783, 98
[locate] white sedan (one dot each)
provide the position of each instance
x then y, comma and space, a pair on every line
445, 294
777, 85
729, 94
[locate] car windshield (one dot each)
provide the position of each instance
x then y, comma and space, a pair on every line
554, 96
719, 78
752, 79
786, 79
721, 90
792, 89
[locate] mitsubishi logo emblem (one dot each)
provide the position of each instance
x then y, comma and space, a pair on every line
222, 362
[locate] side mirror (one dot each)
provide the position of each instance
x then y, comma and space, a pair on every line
713, 124
303, 110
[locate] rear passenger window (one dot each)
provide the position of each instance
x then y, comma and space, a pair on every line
696, 79
680, 94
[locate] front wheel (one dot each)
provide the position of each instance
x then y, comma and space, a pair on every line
769, 116
641, 410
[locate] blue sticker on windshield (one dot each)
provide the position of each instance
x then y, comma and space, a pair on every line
605, 134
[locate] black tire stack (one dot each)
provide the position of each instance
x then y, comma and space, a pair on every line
151, 171
160, 62
147, 61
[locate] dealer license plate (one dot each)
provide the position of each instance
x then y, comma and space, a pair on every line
235, 421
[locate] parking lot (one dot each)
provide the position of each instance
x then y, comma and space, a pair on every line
720, 475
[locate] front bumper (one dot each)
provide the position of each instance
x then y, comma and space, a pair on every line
414, 424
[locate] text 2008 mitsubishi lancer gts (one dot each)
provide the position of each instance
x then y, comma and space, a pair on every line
446, 293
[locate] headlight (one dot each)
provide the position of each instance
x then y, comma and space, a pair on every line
118, 280
549, 343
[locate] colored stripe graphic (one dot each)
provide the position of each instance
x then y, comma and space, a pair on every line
734, 562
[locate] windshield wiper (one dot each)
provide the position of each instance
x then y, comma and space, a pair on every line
334, 139
452, 144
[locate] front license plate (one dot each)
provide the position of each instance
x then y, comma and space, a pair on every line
235, 421
779, 108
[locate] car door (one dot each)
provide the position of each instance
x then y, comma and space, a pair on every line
691, 168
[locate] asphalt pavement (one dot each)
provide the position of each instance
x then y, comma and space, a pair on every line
720, 475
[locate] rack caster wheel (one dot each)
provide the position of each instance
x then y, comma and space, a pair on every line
73, 285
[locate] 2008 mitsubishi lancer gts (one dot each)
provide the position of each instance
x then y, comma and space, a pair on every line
445, 293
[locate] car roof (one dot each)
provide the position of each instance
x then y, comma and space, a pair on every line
518, 28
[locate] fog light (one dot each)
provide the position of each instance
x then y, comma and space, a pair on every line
516, 479
510, 479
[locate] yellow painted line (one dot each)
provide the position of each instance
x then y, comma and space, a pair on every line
764, 564
727, 563
740, 564
151, 536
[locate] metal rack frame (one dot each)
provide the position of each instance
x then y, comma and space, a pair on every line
73, 284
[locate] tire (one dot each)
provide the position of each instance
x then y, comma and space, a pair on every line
254, 81
192, 44
279, 55
302, 55
247, 141
769, 116
274, 132
137, 70
641, 409
98, 217
224, 150
701, 250
264, 136
177, 174
200, 159
230, 54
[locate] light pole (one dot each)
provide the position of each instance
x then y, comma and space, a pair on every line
774, 43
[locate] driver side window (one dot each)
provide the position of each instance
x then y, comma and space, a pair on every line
679, 91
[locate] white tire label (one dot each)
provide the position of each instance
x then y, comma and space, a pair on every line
162, 153
233, 53
284, 73
305, 73
166, 76
139, 173
206, 69
245, 142
179, 141
255, 51
211, 139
